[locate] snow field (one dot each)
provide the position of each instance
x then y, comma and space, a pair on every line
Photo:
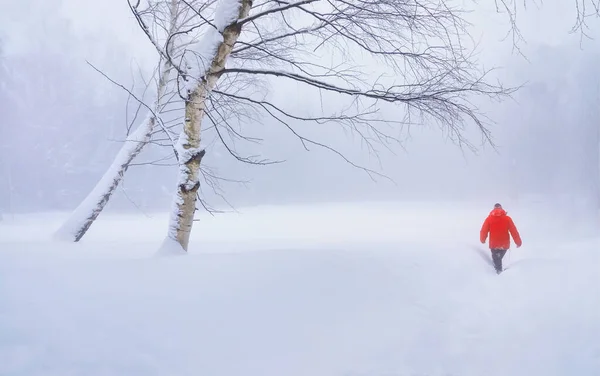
338, 289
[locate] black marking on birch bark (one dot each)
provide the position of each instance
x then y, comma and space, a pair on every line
194, 188
196, 157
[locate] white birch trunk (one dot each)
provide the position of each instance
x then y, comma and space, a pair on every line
189, 150
88, 210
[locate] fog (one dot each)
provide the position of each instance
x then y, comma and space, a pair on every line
61, 122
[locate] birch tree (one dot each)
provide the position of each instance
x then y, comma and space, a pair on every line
167, 19
424, 69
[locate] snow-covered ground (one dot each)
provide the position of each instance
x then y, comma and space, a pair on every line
382, 289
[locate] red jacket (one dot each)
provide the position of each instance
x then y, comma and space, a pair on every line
499, 225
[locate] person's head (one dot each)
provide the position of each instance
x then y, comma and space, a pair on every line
498, 210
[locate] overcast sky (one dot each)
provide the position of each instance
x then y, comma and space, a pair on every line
428, 167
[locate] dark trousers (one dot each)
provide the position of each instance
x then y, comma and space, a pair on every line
497, 256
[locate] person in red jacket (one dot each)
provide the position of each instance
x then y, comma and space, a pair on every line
499, 225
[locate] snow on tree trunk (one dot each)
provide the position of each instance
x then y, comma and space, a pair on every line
216, 46
88, 210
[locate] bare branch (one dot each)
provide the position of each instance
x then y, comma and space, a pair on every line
585, 9
154, 114
279, 9
248, 160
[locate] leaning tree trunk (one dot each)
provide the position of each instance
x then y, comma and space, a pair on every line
88, 210
189, 150
82, 218
85, 214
